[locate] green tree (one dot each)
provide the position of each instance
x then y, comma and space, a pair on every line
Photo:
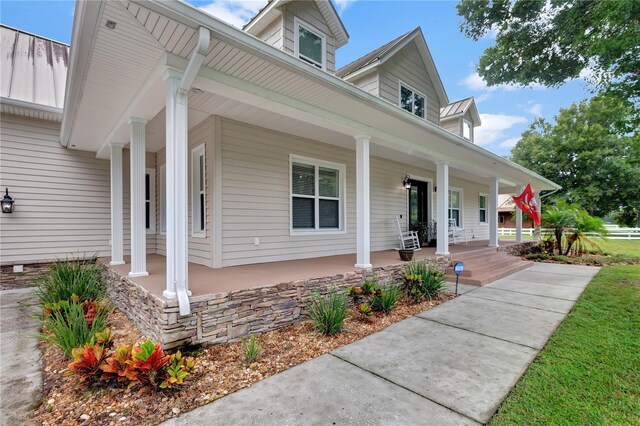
592, 151
549, 42
558, 219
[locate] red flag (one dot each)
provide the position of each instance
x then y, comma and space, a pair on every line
527, 203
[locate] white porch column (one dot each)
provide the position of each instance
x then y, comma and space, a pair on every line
363, 236
117, 232
137, 172
519, 223
177, 194
493, 212
442, 208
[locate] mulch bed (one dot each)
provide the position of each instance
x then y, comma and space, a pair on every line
219, 371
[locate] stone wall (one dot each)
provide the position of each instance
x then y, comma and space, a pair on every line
10, 279
519, 249
224, 317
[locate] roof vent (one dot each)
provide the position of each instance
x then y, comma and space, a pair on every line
111, 25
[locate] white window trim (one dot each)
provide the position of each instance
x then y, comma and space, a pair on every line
342, 185
470, 138
195, 193
407, 86
461, 208
297, 23
162, 194
486, 210
152, 200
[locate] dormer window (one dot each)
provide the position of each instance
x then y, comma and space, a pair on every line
412, 101
467, 130
310, 44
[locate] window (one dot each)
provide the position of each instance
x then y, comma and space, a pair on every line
163, 199
454, 206
317, 196
198, 199
482, 203
412, 101
467, 130
310, 44
150, 200
501, 219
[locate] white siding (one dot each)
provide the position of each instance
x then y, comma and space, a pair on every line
200, 249
407, 66
368, 83
309, 13
255, 167
273, 33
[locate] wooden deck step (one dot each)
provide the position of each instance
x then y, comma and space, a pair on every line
485, 265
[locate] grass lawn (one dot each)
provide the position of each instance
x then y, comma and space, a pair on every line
589, 372
628, 247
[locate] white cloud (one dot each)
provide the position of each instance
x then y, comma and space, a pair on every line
535, 110
234, 12
474, 82
510, 143
491, 34
494, 126
343, 4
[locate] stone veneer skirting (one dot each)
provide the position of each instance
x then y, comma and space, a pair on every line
224, 317
10, 280
519, 249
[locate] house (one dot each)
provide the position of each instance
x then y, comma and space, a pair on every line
506, 209
195, 156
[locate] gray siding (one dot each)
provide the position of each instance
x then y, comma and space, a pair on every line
273, 33
407, 66
452, 125
255, 196
308, 12
368, 83
200, 249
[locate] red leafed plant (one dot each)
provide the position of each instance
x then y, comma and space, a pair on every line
87, 362
149, 361
118, 365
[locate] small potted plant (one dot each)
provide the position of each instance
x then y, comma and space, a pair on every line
406, 254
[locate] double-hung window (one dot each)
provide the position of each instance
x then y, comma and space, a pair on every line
317, 196
412, 101
150, 200
467, 130
198, 193
482, 208
310, 44
454, 206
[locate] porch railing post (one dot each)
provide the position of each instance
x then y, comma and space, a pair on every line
137, 177
442, 208
493, 211
117, 232
363, 236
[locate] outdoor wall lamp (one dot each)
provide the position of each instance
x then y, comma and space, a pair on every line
7, 202
406, 182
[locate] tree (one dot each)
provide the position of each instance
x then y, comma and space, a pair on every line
558, 219
549, 42
592, 151
572, 227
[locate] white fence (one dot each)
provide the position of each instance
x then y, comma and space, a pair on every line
613, 233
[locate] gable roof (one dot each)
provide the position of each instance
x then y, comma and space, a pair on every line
34, 73
459, 108
271, 11
377, 57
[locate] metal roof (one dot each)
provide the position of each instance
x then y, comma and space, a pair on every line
459, 108
370, 57
34, 70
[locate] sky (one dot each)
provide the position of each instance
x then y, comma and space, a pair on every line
506, 110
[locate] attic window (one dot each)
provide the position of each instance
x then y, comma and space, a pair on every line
310, 44
467, 130
412, 101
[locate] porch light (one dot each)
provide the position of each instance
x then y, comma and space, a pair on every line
406, 182
7, 202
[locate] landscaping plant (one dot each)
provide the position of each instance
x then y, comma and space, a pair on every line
66, 278
252, 349
386, 298
421, 281
328, 312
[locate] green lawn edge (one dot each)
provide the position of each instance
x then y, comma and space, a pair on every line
589, 371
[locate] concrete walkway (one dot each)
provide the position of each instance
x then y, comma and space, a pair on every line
20, 358
451, 365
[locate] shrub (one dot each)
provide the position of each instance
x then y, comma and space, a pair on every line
80, 277
386, 299
329, 312
87, 361
252, 349
70, 325
537, 256
119, 367
149, 362
365, 310
370, 287
421, 281
178, 369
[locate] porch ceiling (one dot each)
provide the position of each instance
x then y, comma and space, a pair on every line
267, 85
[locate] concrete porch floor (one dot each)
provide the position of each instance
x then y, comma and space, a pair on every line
205, 280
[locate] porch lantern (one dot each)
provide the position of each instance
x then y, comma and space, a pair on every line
406, 182
7, 202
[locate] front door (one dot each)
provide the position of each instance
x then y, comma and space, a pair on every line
418, 203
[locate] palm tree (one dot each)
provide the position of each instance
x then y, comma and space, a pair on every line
584, 224
558, 219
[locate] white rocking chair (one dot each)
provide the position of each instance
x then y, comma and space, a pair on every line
457, 233
409, 240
